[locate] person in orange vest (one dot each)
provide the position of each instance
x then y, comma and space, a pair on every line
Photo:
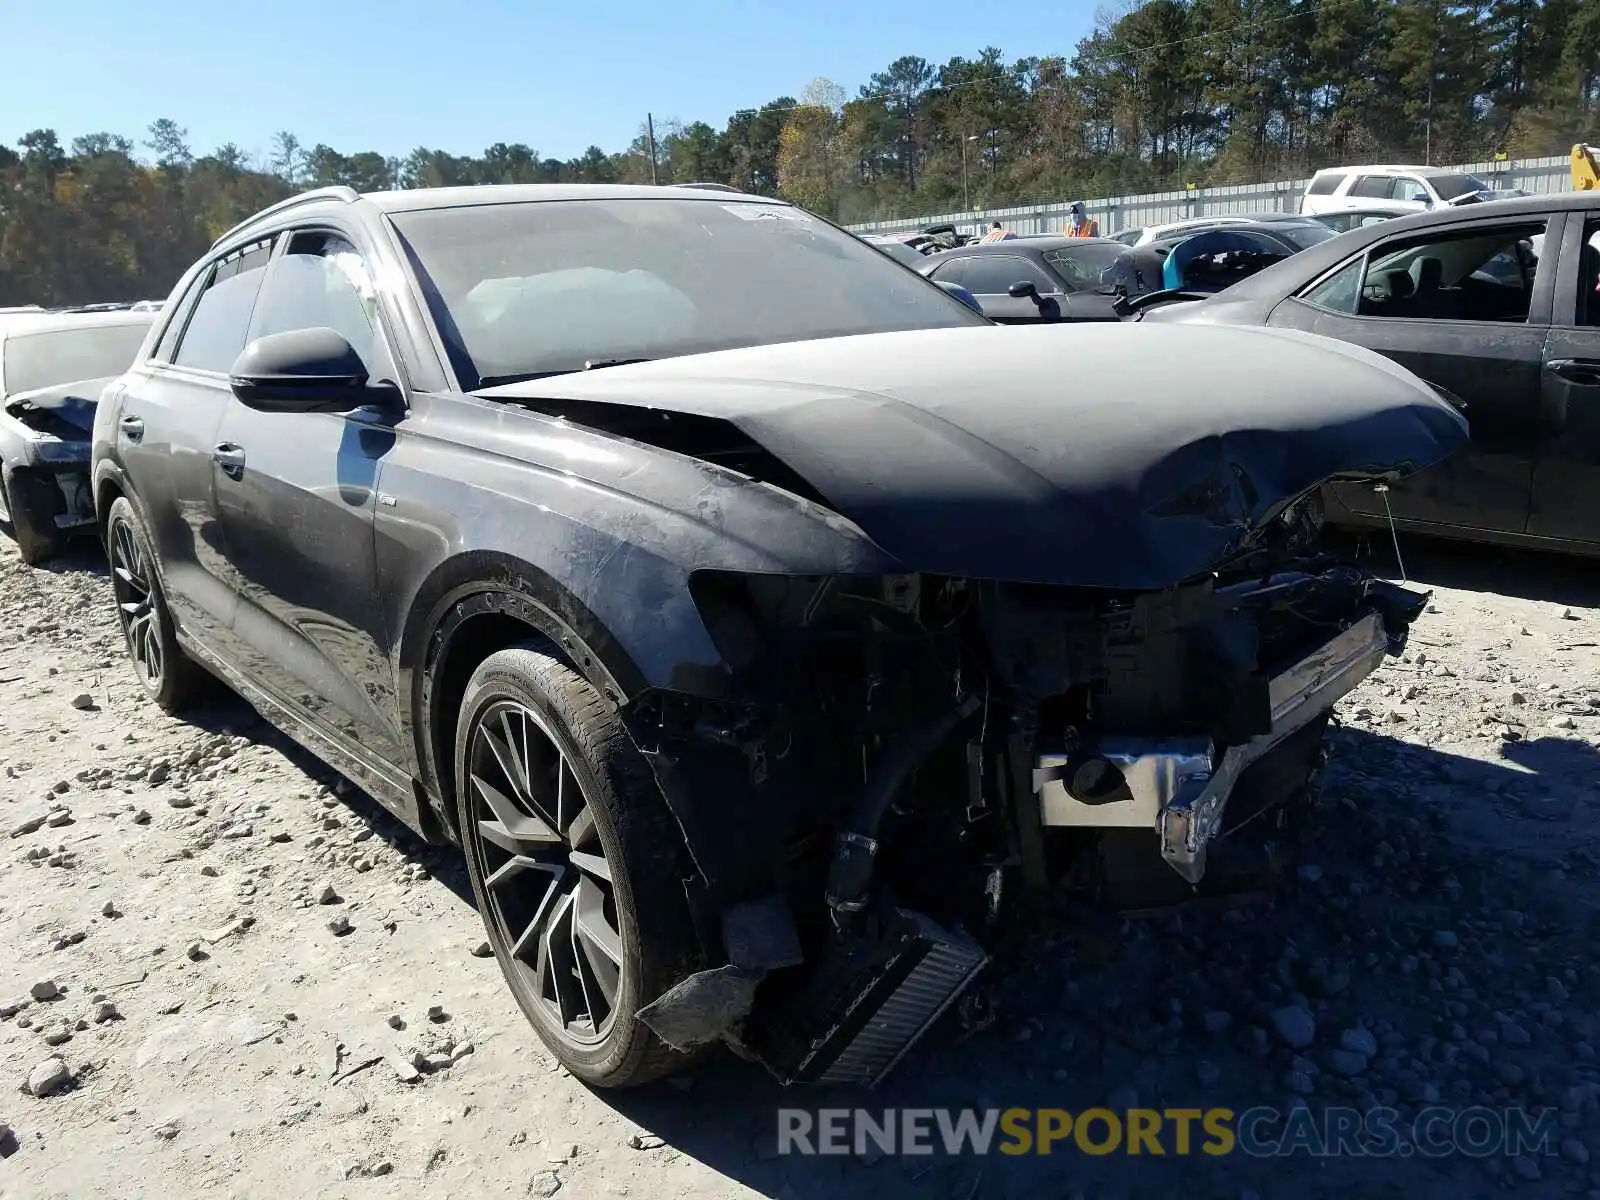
997, 234
1081, 225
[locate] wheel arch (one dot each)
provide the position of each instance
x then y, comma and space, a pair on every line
467, 609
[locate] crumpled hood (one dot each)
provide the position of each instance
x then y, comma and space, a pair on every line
1124, 456
73, 402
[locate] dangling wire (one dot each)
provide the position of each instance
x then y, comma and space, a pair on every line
1383, 490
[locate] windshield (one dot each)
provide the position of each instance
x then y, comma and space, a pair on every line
1451, 186
1081, 266
541, 288
1303, 235
45, 358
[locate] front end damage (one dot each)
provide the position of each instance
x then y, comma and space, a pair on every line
912, 752
1070, 631
46, 437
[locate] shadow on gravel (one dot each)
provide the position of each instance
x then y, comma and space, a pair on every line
1383, 920
1525, 574
229, 715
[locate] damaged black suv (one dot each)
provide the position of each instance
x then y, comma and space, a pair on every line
764, 625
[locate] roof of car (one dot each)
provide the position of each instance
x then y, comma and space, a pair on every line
1391, 168
525, 193
415, 199
1037, 241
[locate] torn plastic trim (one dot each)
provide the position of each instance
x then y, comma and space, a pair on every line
1172, 787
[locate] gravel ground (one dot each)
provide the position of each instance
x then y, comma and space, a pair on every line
228, 973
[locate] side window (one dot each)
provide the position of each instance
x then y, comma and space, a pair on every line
950, 272
1374, 187
1588, 309
175, 316
321, 280
993, 275
216, 330
1475, 274
1339, 292
1325, 185
1406, 189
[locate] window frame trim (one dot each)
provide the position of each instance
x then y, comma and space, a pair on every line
1540, 298
192, 301
383, 341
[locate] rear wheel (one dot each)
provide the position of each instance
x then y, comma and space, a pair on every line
574, 864
170, 676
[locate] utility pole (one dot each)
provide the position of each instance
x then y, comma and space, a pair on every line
966, 192
650, 140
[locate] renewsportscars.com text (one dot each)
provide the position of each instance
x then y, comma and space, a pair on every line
1260, 1132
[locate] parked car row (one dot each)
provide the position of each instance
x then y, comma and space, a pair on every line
765, 625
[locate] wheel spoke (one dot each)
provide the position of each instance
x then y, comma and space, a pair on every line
558, 965
591, 864
511, 829
546, 880
590, 921
599, 973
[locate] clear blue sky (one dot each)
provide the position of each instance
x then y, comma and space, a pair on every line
458, 75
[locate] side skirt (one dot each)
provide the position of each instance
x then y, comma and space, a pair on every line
393, 789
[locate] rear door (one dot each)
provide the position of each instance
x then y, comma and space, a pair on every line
1566, 473
1467, 308
169, 416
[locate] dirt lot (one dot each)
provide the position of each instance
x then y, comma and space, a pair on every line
236, 962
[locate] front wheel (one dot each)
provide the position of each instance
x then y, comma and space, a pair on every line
170, 676
28, 511
575, 864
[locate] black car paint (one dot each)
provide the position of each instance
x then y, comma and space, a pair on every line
904, 435
1068, 304
1531, 473
337, 579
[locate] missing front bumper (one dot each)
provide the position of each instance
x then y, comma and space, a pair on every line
1180, 787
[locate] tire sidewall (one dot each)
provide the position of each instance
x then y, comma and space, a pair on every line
167, 695
496, 681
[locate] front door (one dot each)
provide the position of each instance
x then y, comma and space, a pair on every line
1566, 473
1466, 309
296, 493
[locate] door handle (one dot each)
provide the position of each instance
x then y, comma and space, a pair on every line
230, 457
133, 427
1585, 372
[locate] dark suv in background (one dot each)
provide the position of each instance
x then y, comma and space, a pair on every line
737, 599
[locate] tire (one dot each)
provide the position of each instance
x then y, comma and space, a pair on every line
36, 541
539, 753
172, 679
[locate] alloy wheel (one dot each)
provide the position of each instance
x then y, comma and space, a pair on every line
138, 603
549, 887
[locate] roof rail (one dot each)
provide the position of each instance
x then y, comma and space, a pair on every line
710, 187
345, 195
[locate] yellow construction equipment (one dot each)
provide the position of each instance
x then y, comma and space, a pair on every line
1585, 168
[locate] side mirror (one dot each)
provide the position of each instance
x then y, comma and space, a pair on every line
1024, 288
961, 294
1421, 198
302, 370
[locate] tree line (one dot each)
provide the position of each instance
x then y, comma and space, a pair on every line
1161, 94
